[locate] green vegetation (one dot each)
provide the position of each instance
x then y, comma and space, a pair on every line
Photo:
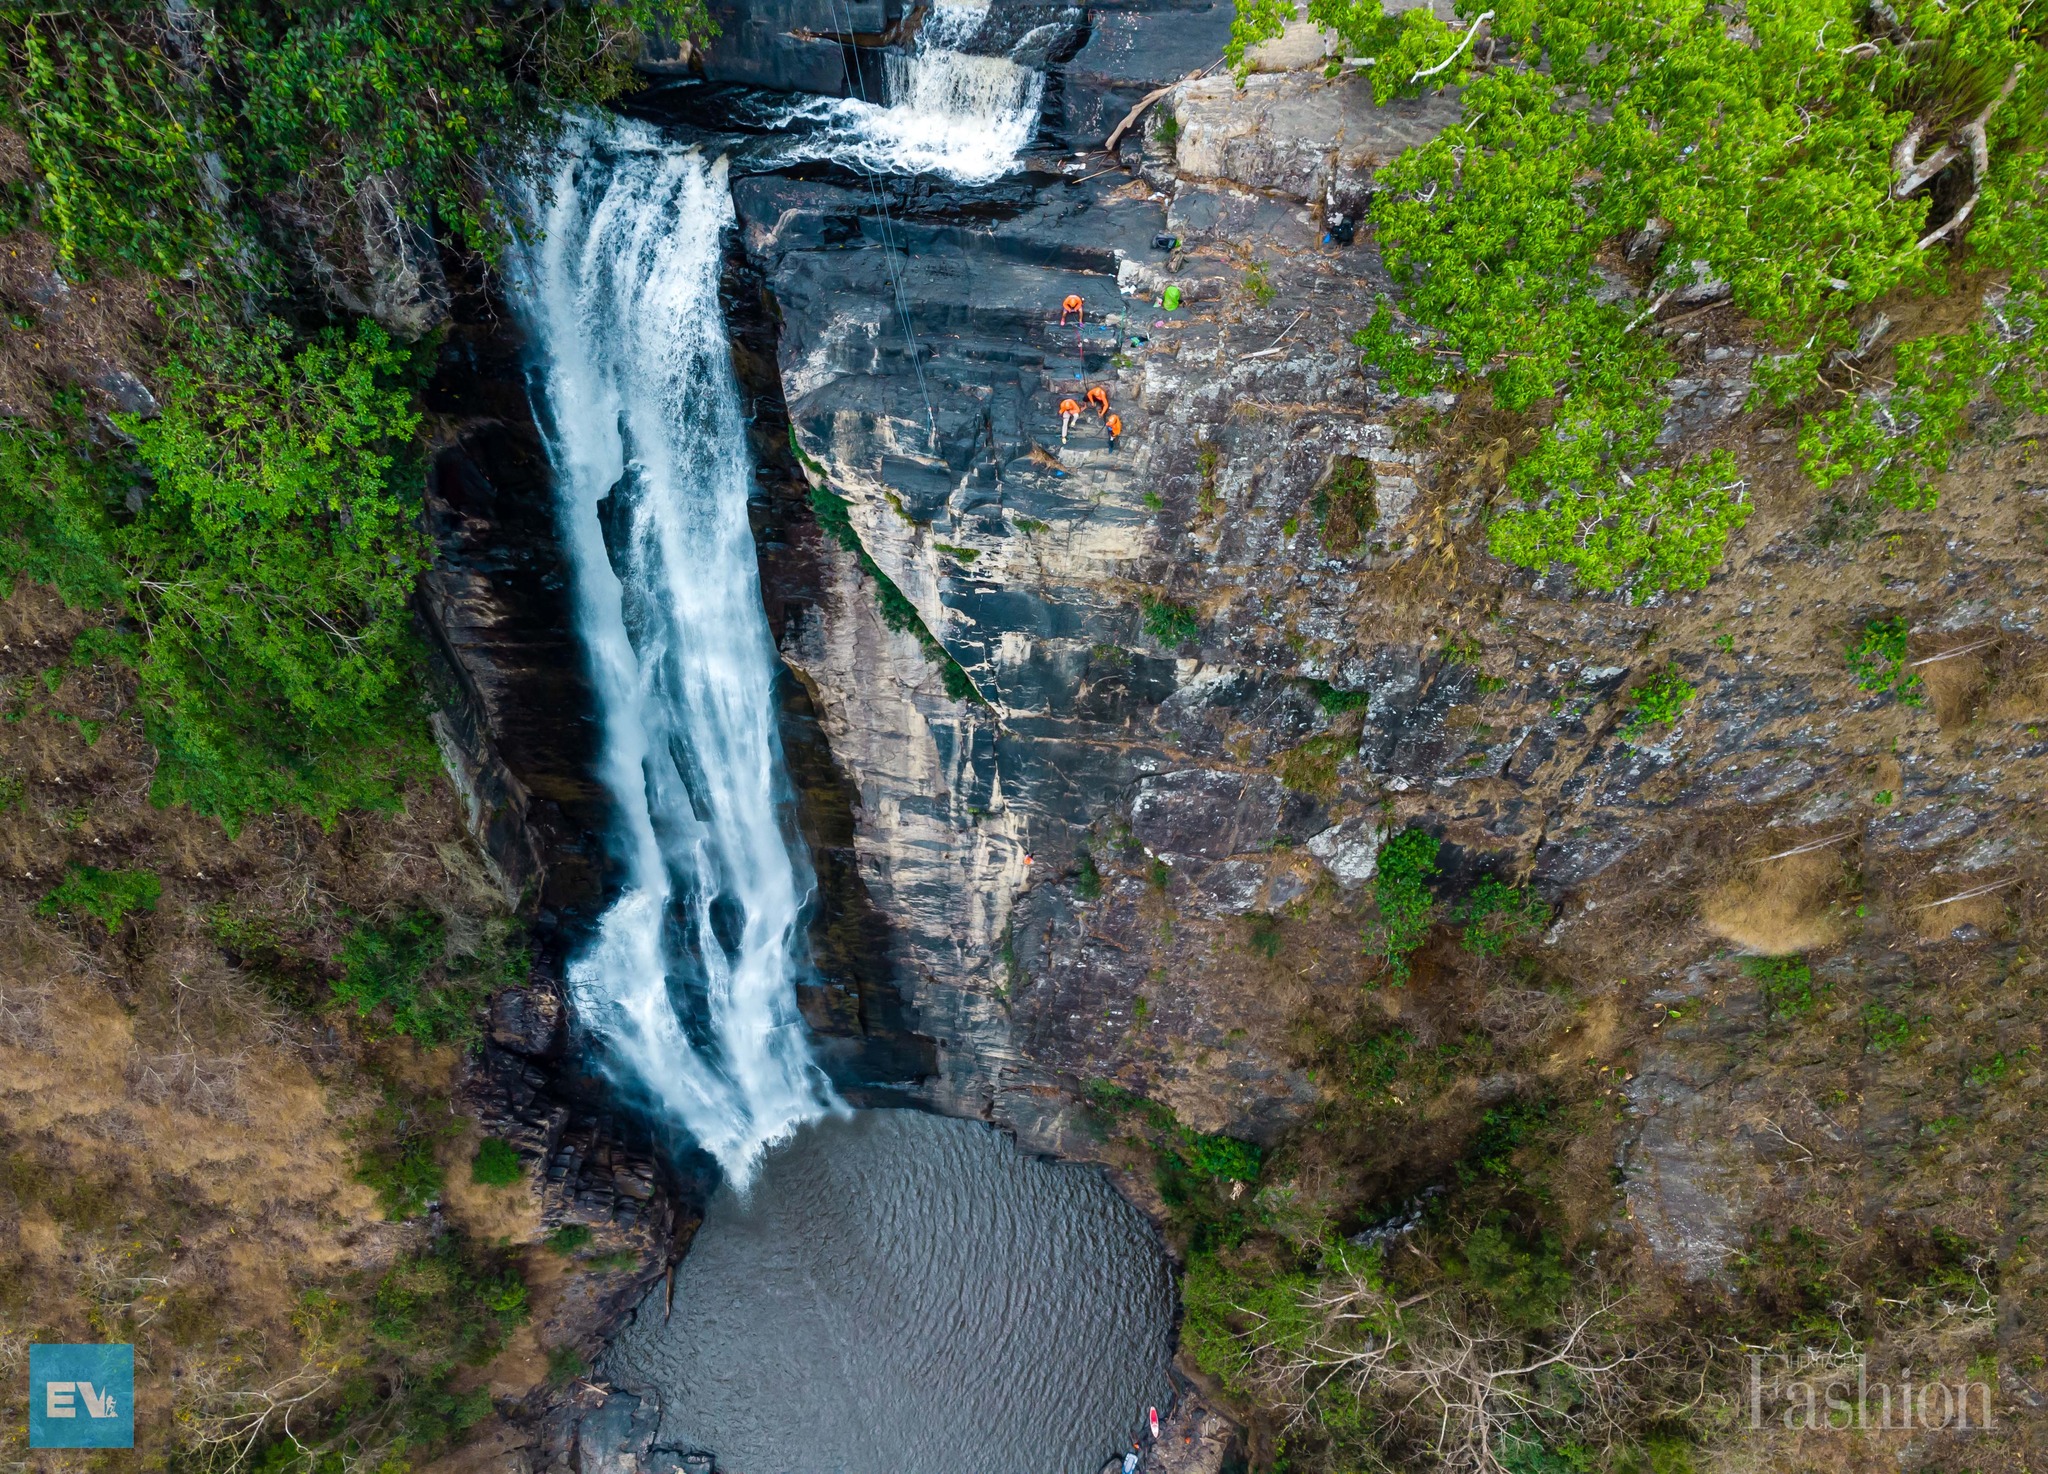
1877, 659
959, 555
108, 896
1744, 163
1200, 1176
1171, 625
568, 1239
385, 975
897, 612
496, 1164
1335, 700
309, 103
1786, 985
1165, 126
397, 1160
1497, 915
1657, 702
1257, 285
1407, 905
1087, 879
1311, 766
1885, 1029
1347, 504
257, 543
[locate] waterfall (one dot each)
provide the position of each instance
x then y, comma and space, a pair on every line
687, 986
947, 112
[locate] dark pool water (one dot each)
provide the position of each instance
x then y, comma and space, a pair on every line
905, 1294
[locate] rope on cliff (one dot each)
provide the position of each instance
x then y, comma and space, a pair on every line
855, 86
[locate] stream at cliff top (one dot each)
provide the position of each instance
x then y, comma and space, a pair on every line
904, 1294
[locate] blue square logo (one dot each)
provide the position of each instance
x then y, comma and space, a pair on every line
81, 1396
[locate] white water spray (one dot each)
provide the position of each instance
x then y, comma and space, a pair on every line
687, 985
967, 117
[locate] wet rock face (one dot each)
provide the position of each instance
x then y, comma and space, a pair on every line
1337, 671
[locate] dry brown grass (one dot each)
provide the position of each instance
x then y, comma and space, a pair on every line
1779, 906
177, 1145
1955, 688
79, 333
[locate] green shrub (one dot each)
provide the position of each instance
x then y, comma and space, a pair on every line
1335, 700
1229, 1313
1877, 659
1263, 936
385, 968
1406, 902
1786, 985
496, 1164
1592, 120
1497, 915
1159, 873
108, 896
1657, 702
1503, 1130
568, 1238
1257, 286
403, 1174
445, 1308
1087, 879
1527, 1282
1172, 625
1224, 1158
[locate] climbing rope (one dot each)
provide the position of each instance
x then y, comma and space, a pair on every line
885, 225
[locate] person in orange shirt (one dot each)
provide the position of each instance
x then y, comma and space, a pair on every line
1075, 305
1116, 430
1099, 397
1069, 412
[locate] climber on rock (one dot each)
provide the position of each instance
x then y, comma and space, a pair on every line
1075, 305
1099, 397
1069, 412
1115, 424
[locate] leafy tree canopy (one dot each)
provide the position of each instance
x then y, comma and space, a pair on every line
1804, 161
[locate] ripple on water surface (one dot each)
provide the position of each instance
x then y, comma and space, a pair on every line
904, 1294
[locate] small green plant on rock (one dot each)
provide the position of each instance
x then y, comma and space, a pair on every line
1336, 700
1256, 284
1346, 505
1172, 625
567, 1239
496, 1163
1657, 702
1786, 984
1886, 1029
1087, 878
1406, 902
1877, 659
1497, 915
108, 896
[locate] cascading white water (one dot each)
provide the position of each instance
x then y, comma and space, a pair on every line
687, 986
947, 112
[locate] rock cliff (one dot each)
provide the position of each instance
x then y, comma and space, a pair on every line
1222, 659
